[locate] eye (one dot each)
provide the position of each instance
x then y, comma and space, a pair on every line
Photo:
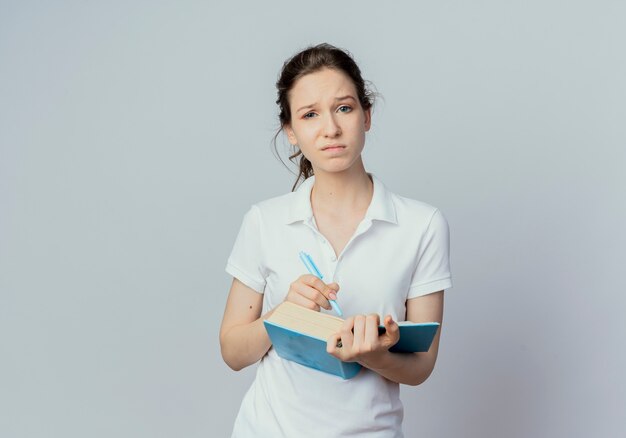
309, 115
344, 109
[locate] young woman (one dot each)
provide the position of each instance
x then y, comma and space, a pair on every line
387, 257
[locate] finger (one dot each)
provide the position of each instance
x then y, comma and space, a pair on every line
392, 330
333, 288
303, 295
359, 330
372, 322
303, 288
327, 292
347, 337
301, 300
313, 281
334, 345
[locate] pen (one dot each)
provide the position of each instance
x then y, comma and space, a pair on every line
308, 262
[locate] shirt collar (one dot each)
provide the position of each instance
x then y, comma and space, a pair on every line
381, 207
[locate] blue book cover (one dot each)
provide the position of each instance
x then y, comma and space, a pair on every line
300, 334
415, 336
308, 351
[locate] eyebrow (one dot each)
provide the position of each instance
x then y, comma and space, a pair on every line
337, 99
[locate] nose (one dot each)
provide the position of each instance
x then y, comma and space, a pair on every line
331, 127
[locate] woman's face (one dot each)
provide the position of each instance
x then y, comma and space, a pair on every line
328, 122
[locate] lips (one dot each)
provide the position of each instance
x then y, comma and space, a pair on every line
333, 147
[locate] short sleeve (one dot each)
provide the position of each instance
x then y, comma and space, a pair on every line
246, 259
432, 273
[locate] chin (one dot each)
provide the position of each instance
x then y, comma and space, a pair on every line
334, 169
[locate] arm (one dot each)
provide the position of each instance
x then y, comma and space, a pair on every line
371, 350
243, 338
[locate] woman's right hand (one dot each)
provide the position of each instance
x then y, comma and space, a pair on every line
311, 292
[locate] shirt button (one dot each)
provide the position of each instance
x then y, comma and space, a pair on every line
333, 258
323, 241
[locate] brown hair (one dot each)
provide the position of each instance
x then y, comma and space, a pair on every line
311, 60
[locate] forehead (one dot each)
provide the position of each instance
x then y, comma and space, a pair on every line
321, 85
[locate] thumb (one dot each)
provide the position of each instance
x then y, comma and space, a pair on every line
392, 329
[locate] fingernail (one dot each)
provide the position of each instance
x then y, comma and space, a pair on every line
332, 296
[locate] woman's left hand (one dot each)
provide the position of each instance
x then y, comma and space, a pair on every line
358, 340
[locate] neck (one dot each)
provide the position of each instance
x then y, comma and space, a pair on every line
342, 192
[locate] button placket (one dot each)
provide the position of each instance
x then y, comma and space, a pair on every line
330, 258
329, 252
325, 249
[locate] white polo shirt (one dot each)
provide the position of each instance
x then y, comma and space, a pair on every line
400, 250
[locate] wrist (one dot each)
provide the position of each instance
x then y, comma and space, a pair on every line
378, 362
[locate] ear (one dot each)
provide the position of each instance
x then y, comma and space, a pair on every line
291, 136
368, 119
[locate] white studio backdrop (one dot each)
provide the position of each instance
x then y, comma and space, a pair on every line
134, 136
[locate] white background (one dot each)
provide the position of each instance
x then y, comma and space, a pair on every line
134, 136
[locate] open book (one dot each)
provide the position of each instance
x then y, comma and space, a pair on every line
299, 334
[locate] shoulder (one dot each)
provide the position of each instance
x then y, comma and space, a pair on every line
424, 222
271, 211
413, 206
274, 207
414, 212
